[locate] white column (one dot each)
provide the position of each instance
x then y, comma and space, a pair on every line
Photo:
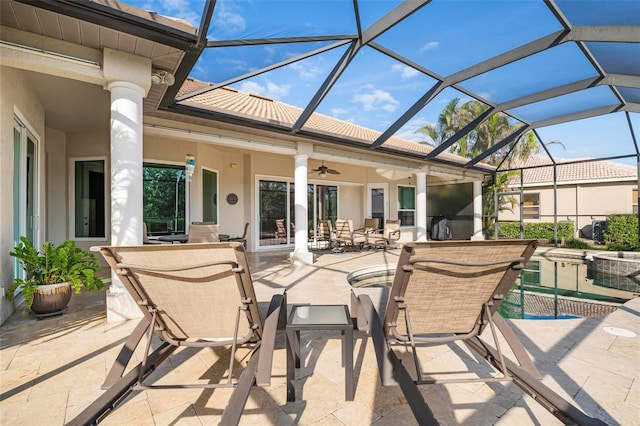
477, 211
421, 206
301, 254
126, 186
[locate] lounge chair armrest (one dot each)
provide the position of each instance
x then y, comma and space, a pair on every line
277, 310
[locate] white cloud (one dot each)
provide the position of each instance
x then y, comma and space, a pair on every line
226, 20
307, 71
430, 46
231, 22
253, 87
271, 90
376, 99
182, 9
276, 91
405, 71
338, 111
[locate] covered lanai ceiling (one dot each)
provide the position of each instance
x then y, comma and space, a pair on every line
393, 66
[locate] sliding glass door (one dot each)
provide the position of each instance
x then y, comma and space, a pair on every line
277, 210
25, 187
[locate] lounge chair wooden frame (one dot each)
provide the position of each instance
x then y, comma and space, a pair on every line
450, 290
146, 272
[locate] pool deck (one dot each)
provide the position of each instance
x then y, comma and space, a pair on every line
53, 368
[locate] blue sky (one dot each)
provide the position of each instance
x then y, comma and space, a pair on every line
451, 35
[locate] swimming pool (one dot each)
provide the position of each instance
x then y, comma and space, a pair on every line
548, 288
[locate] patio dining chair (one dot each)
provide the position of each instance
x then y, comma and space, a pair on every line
206, 233
387, 237
243, 238
324, 232
192, 295
447, 291
145, 236
345, 236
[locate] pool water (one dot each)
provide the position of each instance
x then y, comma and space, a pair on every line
547, 289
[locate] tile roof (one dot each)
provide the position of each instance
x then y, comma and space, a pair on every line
255, 106
574, 172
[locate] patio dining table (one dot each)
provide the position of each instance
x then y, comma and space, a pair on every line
183, 238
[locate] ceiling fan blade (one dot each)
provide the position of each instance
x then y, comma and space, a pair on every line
333, 172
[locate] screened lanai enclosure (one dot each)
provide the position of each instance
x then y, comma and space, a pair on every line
556, 77
565, 75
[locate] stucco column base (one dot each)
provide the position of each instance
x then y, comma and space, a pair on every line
477, 237
301, 258
120, 304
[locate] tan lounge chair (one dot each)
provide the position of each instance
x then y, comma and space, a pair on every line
198, 295
447, 291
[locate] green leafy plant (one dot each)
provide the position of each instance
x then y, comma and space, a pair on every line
622, 232
540, 230
52, 265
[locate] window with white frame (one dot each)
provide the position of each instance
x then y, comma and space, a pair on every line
531, 206
407, 205
634, 201
164, 198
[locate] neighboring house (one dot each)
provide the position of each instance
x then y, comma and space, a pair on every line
84, 141
587, 191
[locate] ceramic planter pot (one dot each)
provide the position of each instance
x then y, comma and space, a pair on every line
51, 298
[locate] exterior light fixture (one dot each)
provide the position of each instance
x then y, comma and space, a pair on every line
190, 165
162, 77
233, 165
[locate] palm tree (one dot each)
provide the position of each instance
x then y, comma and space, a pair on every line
491, 131
445, 127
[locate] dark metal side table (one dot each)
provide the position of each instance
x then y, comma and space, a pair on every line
319, 317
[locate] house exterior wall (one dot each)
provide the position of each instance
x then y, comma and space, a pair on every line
57, 168
58, 148
16, 96
581, 203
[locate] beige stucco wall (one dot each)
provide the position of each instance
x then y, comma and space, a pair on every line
15, 94
581, 203
351, 204
56, 191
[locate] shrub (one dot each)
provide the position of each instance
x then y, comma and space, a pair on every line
538, 230
575, 243
622, 232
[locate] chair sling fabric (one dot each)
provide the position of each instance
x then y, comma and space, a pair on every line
451, 290
203, 233
281, 231
198, 295
325, 230
345, 235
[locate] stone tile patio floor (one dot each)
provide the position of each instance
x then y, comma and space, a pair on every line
53, 368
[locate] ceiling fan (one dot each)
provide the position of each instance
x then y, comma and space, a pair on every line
323, 170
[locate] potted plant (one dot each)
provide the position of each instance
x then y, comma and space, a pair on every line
51, 274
